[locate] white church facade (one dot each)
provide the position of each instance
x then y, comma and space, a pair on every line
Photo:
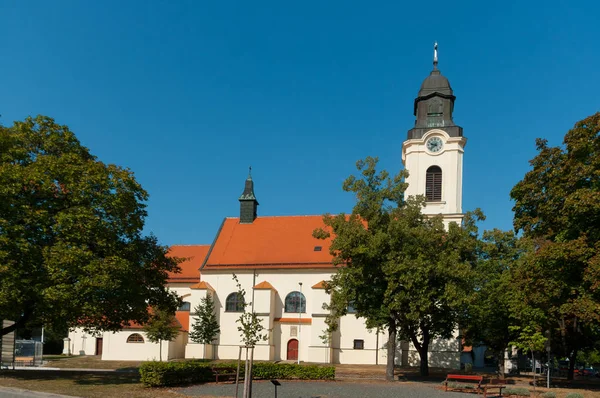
283, 268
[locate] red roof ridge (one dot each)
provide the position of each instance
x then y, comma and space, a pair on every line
193, 244
276, 216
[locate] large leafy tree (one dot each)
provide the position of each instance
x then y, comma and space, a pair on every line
71, 245
490, 315
400, 269
557, 207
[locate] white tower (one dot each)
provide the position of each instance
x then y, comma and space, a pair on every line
433, 151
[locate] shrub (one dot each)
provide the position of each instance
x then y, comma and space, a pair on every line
158, 374
549, 394
518, 391
574, 395
463, 386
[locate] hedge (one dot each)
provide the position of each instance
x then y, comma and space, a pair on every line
549, 394
574, 395
158, 374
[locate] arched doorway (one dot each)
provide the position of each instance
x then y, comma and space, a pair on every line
292, 350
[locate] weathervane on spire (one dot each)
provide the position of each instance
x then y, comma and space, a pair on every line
250, 172
435, 57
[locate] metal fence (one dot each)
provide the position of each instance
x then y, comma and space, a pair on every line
28, 353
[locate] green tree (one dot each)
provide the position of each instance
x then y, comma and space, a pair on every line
250, 328
162, 326
404, 272
490, 316
205, 327
71, 242
529, 339
557, 207
251, 332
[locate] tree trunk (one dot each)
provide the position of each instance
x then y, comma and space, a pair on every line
501, 364
160, 350
423, 354
391, 351
18, 323
422, 349
572, 359
533, 368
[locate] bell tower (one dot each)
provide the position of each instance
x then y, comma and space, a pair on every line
433, 150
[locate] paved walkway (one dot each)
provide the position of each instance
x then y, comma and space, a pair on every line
326, 389
9, 392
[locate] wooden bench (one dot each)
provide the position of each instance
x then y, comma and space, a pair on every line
494, 384
225, 372
468, 378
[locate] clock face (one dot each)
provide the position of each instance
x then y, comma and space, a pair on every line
435, 144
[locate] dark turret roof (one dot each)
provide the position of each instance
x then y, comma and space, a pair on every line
248, 193
435, 83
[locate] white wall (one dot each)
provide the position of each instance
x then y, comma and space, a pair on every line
311, 346
82, 343
417, 160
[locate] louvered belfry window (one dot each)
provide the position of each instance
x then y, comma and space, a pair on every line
433, 184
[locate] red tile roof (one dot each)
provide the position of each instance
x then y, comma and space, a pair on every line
319, 285
270, 242
202, 286
294, 320
181, 320
194, 255
183, 317
264, 285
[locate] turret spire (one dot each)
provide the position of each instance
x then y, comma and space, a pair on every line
435, 57
248, 202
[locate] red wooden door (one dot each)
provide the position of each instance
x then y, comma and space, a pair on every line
99, 346
292, 350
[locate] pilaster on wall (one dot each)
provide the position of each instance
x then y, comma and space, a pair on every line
319, 350
264, 307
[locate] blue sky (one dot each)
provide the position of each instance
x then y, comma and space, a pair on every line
188, 94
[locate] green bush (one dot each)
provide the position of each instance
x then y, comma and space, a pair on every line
462, 386
549, 394
158, 374
574, 395
518, 391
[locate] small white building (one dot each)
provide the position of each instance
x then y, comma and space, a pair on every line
283, 268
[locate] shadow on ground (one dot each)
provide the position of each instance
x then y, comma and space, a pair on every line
79, 377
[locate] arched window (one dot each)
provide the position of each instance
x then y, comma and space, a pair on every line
234, 303
433, 184
185, 306
295, 302
135, 338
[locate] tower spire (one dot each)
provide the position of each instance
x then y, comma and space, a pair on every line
248, 202
435, 56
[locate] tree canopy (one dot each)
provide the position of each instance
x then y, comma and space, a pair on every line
557, 208
490, 315
401, 270
162, 326
72, 250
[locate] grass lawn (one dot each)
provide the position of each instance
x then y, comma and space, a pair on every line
82, 384
88, 362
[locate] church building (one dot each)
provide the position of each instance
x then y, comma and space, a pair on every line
283, 268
